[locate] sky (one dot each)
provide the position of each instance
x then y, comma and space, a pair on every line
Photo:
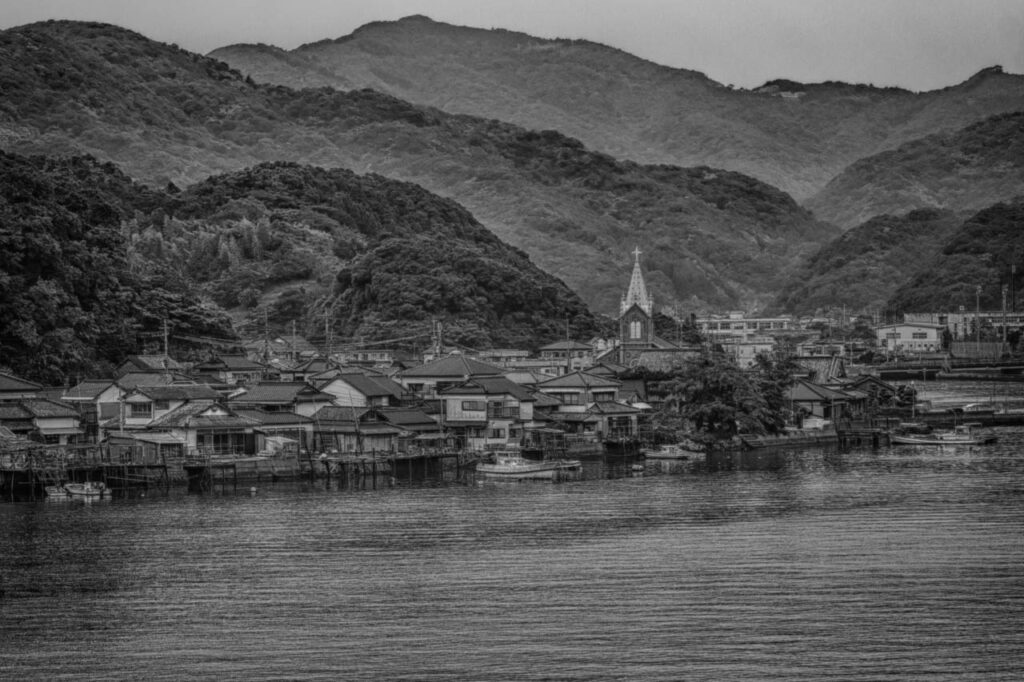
915, 44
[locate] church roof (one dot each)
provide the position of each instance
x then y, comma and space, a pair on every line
637, 293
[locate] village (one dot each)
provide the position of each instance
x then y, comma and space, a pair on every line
286, 409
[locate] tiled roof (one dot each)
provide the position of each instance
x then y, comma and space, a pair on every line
333, 413
49, 408
231, 363
413, 420
806, 391
281, 392
369, 386
273, 418
491, 386
152, 362
11, 383
179, 392
579, 380
133, 379
191, 415
13, 412
545, 400
453, 366
88, 389
613, 408
567, 345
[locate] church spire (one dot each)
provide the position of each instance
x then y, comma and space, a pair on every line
637, 293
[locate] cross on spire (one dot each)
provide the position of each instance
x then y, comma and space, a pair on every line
637, 252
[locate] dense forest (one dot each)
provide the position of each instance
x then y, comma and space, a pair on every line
93, 263
70, 304
973, 266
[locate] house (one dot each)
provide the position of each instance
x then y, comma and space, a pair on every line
307, 369
270, 425
354, 430
427, 380
572, 355
142, 405
418, 427
208, 428
615, 421
910, 337
282, 396
16, 388
232, 369
98, 400
487, 412
148, 363
879, 393
366, 356
578, 390
818, 404
146, 447
361, 390
42, 420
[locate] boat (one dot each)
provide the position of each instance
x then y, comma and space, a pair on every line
669, 451
964, 434
511, 465
87, 489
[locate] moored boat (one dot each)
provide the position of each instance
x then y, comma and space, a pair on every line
964, 434
87, 489
669, 451
510, 465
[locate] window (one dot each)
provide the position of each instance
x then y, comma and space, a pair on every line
473, 406
140, 410
496, 433
604, 397
635, 329
920, 335
568, 398
161, 404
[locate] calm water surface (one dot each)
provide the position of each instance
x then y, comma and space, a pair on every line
900, 563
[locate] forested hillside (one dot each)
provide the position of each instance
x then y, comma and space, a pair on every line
70, 304
980, 253
792, 135
710, 237
92, 265
962, 171
860, 269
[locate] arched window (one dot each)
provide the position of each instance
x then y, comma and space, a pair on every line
635, 329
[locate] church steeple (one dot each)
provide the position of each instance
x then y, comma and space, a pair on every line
637, 292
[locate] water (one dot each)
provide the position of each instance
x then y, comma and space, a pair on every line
900, 563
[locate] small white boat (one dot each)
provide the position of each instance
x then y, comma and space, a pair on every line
669, 451
87, 489
964, 434
513, 466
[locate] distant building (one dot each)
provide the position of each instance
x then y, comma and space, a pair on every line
909, 337
736, 325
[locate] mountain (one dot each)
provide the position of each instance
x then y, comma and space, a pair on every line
70, 304
963, 171
860, 269
375, 258
169, 117
791, 135
93, 264
972, 267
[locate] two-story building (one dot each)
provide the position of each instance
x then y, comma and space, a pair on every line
361, 390
487, 412
910, 337
232, 369
430, 379
282, 396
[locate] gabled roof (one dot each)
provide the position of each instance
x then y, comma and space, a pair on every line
610, 407
805, 391
411, 420
14, 412
130, 380
231, 363
10, 383
273, 418
281, 393
192, 415
567, 345
369, 386
864, 379
491, 386
178, 392
156, 363
579, 380
605, 369
39, 407
544, 400
89, 389
452, 367
333, 413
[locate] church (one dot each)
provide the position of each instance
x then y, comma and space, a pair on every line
638, 345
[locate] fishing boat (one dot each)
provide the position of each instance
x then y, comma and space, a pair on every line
87, 489
964, 434
669, 451
511, 465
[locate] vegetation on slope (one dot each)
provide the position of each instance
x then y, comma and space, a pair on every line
791, 135
69, 303
165, 116
962, 171
972, 267
860, 269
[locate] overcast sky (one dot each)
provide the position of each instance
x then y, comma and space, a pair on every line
916, 44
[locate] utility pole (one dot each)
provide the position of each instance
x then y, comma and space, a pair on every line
166, 339
977, 318
1004, 314
327, 332
295, 352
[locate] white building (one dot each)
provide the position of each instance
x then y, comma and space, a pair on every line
910, 337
